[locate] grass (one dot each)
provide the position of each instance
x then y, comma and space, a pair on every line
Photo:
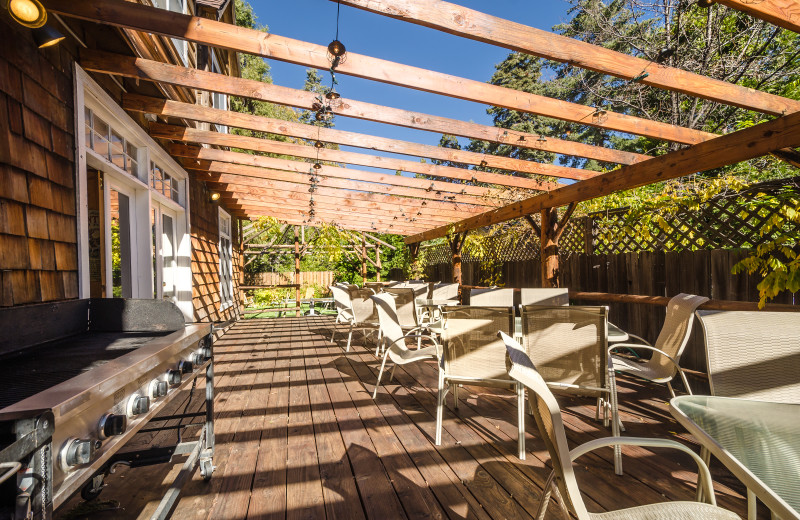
266, 312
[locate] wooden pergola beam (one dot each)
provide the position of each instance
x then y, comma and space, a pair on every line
330, 188
783, 13
284, 201
475, 25
255, 42
262, 172
158, 72
758, 140
186, 134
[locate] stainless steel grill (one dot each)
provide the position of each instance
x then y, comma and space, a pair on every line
80, 379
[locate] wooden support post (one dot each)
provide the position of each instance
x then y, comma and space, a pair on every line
551, 229
378, 263
588, 239
363, 258
297, 271
456, 243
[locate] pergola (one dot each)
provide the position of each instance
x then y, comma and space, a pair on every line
256, 185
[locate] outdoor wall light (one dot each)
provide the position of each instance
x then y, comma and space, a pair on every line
214, 196
30, 13
46, 36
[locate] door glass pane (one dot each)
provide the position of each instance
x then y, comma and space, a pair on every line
168, 256
120, 227
225, 268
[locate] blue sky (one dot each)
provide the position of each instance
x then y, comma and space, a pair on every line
375, 35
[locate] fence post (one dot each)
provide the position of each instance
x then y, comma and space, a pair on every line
588, 242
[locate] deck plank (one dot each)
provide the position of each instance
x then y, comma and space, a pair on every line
299, 436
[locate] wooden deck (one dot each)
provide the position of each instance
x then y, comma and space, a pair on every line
299, 436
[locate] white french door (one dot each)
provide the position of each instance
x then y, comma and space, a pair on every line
165, 252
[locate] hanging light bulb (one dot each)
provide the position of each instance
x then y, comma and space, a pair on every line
705, 3
337, 53
30, 13
317, 166
319, 144
46, 36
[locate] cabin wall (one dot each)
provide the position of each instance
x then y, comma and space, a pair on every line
38, 239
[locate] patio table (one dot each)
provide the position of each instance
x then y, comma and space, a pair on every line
429, 303
758, 441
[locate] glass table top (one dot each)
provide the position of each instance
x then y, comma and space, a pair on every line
754, 439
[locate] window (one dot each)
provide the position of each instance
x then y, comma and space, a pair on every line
165, 183
218, 100
176, 6
225, 261
109, 143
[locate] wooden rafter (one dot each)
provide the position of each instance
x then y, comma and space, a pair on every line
743, 145
468, 23
240, 39
299, 217
172, 74
783, 13
389, 163
329, 135
262, 172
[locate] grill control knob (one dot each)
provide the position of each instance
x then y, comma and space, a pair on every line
138, 404
173, 377
78, 452
185, 367
111, 425
201, 356
158, 388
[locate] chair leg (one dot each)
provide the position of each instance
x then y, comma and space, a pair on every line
685, 382
349, 337
752, 506
439, 412
615, 421
455, 396
671, 390
705, 454
391, 374
545, 500
380, 373
521, 420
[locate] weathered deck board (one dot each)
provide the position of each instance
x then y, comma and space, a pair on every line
299, 436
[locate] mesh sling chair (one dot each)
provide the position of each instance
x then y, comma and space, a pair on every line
544, 296
752, 355
365, 316
569, 346
562, 481
406, 309
394, 336
491, 297
472, 354
664, 365
341, 300
445, 291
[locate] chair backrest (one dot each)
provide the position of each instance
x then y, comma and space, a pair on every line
362, 306
472, 349
544, 296
551, 426
421, 289
491, 297
309, 293
341, 298
753, 354
445, 291
404, 305
675, 333
387, 318
568, 345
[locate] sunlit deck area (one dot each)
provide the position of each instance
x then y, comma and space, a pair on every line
299, 436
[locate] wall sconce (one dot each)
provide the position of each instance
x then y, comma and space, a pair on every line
46, 36
30, 13
214, 196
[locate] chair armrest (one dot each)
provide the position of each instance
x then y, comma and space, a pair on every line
634, 336
646, 347
702, 469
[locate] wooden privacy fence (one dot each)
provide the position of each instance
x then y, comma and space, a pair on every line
321, 278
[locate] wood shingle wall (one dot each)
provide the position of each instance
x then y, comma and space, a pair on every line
38, 251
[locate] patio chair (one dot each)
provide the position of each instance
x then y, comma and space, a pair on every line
491, 297
544, 296
472, 354
445, 291
405, 307
341, 300
562, 481
753, 354
393, 334
672, 340
569, 346
365, 316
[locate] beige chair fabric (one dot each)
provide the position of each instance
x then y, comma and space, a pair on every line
753, 354
365, 316
341, 300
569, 346
445, 291
672, 340
404, 299
544, 296
393, 334
473, 354
562, 480
491, 297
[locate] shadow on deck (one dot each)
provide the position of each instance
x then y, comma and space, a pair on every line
299, 436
